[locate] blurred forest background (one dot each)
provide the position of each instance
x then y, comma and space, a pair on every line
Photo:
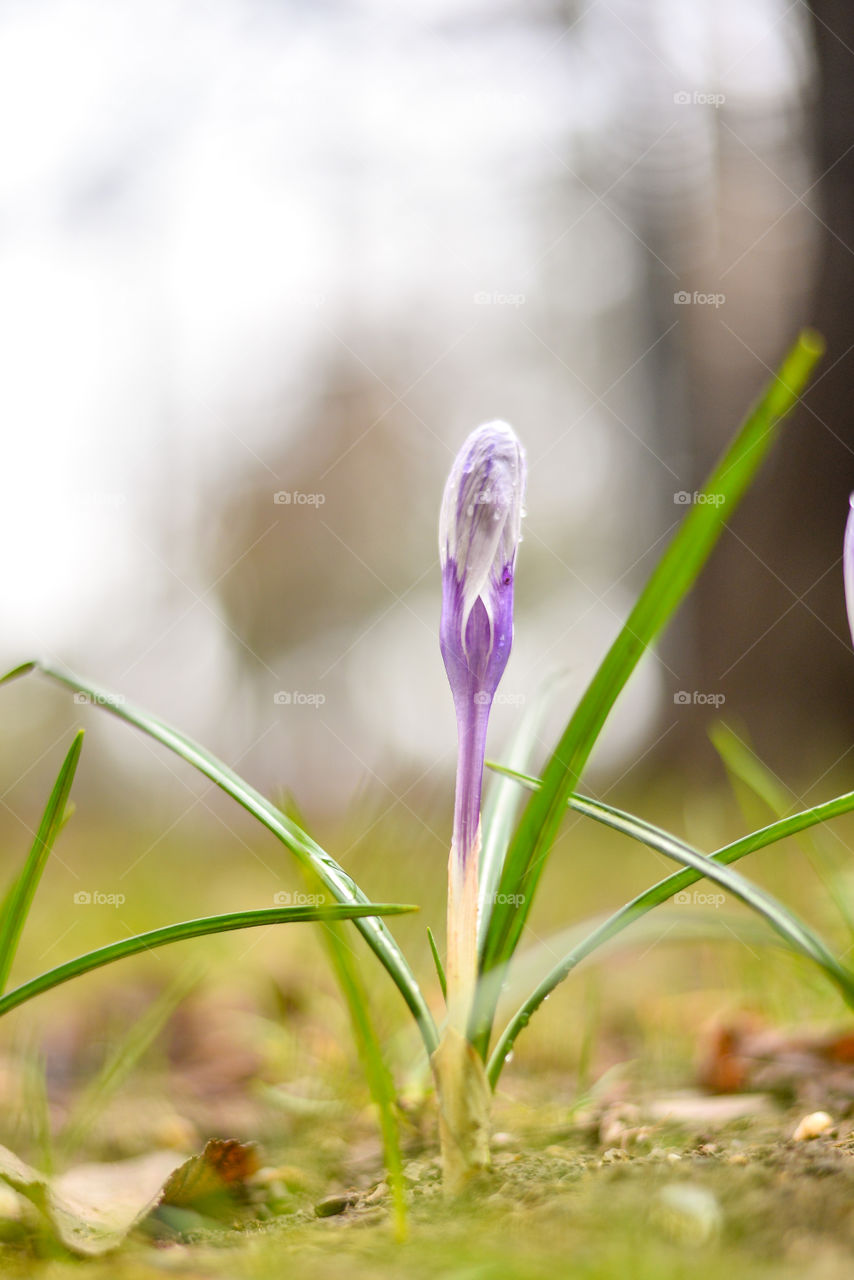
264, 264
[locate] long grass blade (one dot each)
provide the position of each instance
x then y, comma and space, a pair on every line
184, 930
19, 899
670, 581
791, 825
313, 859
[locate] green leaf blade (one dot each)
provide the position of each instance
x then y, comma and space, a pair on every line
667, 586
19, 900
182, 932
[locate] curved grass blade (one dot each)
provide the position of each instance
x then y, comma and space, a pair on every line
313, 859
184, 930
652, 897
759, 839
20, 896
667, 586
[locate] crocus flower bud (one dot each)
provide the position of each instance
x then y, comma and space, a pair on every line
848, 564
479, 531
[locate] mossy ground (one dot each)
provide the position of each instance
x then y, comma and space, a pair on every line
695, 1199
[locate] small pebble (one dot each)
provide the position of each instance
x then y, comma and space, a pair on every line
812, 1126
332, 1205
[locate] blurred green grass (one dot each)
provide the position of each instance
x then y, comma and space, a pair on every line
648, 1000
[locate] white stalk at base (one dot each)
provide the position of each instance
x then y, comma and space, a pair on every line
461, 971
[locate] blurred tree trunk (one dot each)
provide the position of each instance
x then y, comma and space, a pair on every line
768, 620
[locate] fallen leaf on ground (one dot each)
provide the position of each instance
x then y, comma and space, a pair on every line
93, 1207
203, 1181
743, 1055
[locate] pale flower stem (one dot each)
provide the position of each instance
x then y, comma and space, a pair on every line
463, 866
462, 936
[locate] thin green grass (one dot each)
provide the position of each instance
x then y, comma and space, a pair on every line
437, 961
182, 932
19, 899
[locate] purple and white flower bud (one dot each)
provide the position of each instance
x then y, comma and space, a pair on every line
479, 531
